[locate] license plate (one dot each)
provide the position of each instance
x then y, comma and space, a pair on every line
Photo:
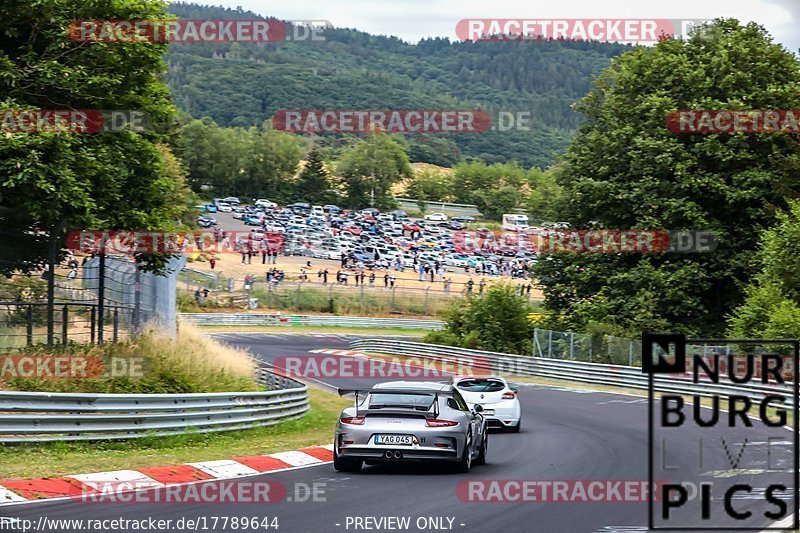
488, 411
394, 440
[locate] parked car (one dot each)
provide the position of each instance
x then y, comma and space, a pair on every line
211, 208
409, 421
436, 217
224, 207
263, 202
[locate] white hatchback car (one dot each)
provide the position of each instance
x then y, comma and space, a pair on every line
500, 403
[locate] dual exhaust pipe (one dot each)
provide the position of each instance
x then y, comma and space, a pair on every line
389, 454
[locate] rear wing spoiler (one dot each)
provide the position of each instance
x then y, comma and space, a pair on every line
420, 392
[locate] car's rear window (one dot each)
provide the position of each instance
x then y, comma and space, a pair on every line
413, 401
481, 385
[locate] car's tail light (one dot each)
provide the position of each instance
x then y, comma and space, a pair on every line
354, 420
435, 423
509, 395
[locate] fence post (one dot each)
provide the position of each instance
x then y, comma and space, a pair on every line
550, 344
427, 292
65, 325
216, 289
93, 317
571, 345
137, 299
630, 352
30, 325
101, 294
116, 323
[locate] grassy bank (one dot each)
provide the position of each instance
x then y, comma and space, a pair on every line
57, 459
153, 363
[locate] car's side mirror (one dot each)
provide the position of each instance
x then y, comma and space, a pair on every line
514, 390
478, 408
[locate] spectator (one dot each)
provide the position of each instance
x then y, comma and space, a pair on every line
391, 280
470, 284
481, 286
325, 276
372, 279
447, 282
386, 280
212, 262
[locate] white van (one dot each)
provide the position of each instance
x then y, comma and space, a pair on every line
515, 222
317, 211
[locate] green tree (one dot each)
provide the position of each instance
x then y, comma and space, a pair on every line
106, 180
625, 169
271, 166
314, 180
371, 167
772, 306
430, 184
496, 320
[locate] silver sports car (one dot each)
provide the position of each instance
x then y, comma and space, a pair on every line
409, 421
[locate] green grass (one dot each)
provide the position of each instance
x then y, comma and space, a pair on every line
58, 459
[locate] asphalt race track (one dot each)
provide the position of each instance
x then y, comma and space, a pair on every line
566, 435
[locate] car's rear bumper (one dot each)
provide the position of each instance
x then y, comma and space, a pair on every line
406, 454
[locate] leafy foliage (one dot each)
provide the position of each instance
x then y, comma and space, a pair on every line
370, 168
495, 321
107, 180
625, 169
239, 84
772, 306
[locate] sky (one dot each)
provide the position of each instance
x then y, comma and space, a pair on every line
413, 20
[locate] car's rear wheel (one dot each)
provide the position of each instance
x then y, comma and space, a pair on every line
515, 429
465, 463
481, 459
346, 464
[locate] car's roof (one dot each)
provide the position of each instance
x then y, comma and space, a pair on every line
428, 385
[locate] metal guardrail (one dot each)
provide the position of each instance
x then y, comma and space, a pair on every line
43, 416
594, 373
267, 319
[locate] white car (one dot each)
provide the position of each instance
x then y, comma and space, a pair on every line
263, 202
500, 403
224, 207
436, 217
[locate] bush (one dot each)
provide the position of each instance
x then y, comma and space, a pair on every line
495, 321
